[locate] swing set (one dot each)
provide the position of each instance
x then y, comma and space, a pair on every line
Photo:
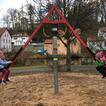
46, 20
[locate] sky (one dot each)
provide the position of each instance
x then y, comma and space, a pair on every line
6, 4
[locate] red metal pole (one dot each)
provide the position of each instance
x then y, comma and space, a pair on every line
80, 40
46, 20
76, 35
27, 42
32, 35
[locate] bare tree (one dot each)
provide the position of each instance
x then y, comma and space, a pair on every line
103, 10
12, 13
6, 20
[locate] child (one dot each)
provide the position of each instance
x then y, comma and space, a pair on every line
101, 63
1, 73
3, 64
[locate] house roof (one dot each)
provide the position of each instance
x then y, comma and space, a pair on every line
94, 38
103, 29
2, 30
48, 41
91, 38
20, 35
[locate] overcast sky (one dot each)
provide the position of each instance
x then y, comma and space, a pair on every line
6, 4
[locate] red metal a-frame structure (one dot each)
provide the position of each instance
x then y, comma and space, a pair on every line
62, 20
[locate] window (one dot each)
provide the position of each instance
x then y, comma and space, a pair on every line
15, 38
23, 38
104, 34
105, 44
3, 40
4, 46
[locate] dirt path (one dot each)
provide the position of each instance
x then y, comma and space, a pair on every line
75, 89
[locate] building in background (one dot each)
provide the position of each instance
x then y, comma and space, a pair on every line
98, 42
75, 48
102, 32
19, 39
102, 35
48, 45
5, 40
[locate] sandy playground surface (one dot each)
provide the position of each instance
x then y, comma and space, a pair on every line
75, 89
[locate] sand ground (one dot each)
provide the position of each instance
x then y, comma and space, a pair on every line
75, 89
